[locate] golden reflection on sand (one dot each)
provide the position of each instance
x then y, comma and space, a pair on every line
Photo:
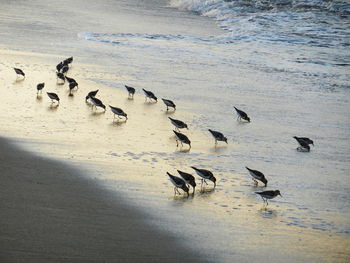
143, 148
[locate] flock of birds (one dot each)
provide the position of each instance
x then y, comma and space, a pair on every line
186, 180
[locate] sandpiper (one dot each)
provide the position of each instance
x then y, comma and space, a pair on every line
73, 85
169, 103
71, 80
131, 90
178, 124
59, 66
61, 77
257, 175
97, 103
307, 140
268, 195
182, 138
178, 183
242, 115
205, 174
19, 72
53, 97
91, 94
40, 87
119, 112
304, 145
64, 69
149, 94
218, 136
68, 60
189, 179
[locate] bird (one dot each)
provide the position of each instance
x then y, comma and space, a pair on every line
304, 145
150, 95
60, 76
268, 195
64, 69
19, 72
178, 183
169, 103
205, 174
97, 103
307, 140
73, 85
189, 179
218, 136
91, 94
40, 87
182, 138
178, 124
242, 115
68, 60
70, 80
257, 175
59, 66
131, 90
53, 97
119, 112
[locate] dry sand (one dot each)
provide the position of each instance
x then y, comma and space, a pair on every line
52, 213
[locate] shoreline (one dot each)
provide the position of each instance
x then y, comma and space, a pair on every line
52, 213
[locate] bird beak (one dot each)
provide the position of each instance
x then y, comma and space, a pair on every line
280, 195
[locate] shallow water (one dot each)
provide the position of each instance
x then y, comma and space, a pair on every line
287, 87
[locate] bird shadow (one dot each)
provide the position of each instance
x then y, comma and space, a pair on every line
266, 212
53, 107
97, 113
130, 99
118, 123
218, 149
39, 97
167, 112
181, 150
206, 191
18, 80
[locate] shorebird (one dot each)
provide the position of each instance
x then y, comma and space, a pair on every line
149, 94
61, 77
19, 72
73, 85
257, 175
242, 115
40, 87
59, 66
188, 178
168, 104
91, 94
307, 140
178, 183
205, 174
218, 136
97, 103
68, 60
53, 97
64, 69
70, 80
182, 138
119, 112
304, 144
268, 195
178, 124
131, 90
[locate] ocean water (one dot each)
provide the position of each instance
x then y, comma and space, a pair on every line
286, 63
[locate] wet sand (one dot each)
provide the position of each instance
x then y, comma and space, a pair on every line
128, 159
52, 213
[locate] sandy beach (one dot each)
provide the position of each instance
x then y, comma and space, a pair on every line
50, 212
80, 185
